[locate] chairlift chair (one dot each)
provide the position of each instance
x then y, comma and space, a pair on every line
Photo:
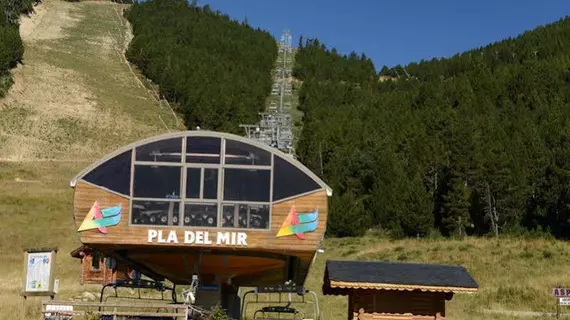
277, 309
281, 306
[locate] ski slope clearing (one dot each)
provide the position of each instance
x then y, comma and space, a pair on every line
74, 100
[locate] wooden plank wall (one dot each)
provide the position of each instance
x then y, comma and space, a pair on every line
103, 276
384, 305
265, 240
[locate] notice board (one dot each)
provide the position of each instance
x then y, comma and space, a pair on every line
39, 272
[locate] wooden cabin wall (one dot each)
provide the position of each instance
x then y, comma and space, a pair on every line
88, 275
389, 304
123, 233
102, 276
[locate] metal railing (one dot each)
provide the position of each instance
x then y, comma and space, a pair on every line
150, 310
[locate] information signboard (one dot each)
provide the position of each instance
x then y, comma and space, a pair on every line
39, 269
561, 292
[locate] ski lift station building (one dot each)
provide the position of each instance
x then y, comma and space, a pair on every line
232, 210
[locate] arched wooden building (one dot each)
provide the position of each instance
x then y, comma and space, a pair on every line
199, 202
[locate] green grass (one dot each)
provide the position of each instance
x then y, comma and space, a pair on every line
5, 83
76, 102
513, 274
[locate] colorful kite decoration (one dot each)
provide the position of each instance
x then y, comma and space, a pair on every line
299, 224
98, 218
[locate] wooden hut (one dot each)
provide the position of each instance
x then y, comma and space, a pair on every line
389, 290
94, 270
229, 209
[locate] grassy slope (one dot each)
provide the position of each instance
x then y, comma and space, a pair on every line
513, 274
74, 100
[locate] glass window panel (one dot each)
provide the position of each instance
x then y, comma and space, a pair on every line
210, 183
228, 215
203, 149
201, 215
95, 260
242, 153
258, 216
156, 182
243, 216
114, 174
193, 181
169, 150
247, 185
155, 212
252, 216
289, 180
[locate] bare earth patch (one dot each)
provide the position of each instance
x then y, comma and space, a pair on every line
52, 92
42, 94
106, 45
74, 99
76, 112
48, 22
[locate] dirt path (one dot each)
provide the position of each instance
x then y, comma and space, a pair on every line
75, 97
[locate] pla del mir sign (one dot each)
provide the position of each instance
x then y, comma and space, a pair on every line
220, 238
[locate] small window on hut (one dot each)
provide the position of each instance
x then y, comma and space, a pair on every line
95, 261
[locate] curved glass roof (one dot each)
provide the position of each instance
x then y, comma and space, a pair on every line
202, 178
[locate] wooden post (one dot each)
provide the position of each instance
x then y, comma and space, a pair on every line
23, 309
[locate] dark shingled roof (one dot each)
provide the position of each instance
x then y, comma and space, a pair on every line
396, 273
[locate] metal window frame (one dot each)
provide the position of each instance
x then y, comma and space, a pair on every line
220, 195
183, 178
207, 134
221, 175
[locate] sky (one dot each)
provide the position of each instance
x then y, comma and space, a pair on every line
393, 32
